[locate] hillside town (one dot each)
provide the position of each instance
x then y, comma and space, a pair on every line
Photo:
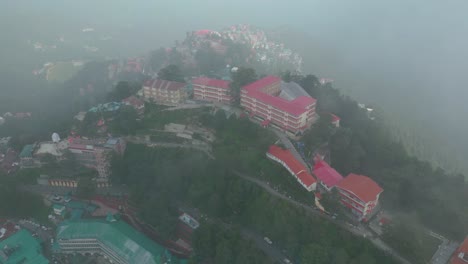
91, 215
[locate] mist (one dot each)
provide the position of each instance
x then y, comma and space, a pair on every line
406, 57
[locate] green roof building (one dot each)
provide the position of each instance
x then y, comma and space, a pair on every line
22, 248
27, 151
115, 240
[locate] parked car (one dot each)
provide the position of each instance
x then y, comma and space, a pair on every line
268, 240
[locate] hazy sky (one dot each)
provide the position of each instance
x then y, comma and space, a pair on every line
412, 53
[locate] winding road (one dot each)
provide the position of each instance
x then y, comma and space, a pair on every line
361, 230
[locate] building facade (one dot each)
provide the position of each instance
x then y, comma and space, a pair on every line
114, 239
212, 90
360, 194
262, 101
295, 167
165, 92
96, 153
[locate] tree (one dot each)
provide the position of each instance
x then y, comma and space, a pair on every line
157, 59
314, 254
171, 73
123, 90
86, 187
241, 77
125, 122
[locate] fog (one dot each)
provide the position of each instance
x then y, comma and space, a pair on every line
409, 57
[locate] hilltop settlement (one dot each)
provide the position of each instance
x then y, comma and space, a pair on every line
212, 152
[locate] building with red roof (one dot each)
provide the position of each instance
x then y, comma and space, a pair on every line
335, 120
360, 194
295, 167
461, 254
262, 100
136, 103
212, 90
327, 176
165, 92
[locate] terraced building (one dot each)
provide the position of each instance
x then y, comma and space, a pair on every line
115, 240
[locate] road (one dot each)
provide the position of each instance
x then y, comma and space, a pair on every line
270, 250
361, 231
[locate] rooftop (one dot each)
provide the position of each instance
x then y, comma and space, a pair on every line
211, 82
294, 165
461, 254
52, 148
133, 101
22, 248
27, 151
361, 186
296, 107
118, 236
165, 85
291, 90
326, 174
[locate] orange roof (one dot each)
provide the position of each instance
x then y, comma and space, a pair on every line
463, 248
362, 186
294, 165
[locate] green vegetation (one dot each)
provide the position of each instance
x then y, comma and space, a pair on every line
171, 73
123, 90
215, 244
62, 71
15, 203
162, 180
242, 77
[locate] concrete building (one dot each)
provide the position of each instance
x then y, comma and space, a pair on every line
327, 176
295, 167
72, 183
26, 157
114, 239
461, 254
23, 248
136, 103
165, 92
360, 194
280, 104
96, 153
212, 90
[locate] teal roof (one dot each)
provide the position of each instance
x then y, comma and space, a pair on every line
27, 151
120, 237
81, 205
25, 249
76, 214
58, 207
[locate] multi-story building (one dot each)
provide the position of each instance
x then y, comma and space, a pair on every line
21, 247
136, 103
212, 90
327, 176
283, 105
114, 239
165, 92
295, 167
460, 256
360, 194
96, 153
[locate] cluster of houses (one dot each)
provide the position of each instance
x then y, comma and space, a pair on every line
287, 107
359, 193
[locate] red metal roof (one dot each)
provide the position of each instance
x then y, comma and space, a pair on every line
296, 166
294, 107
133, 101
326, 174
211, 82
463, 248
362, 186
165, 85
335, 118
